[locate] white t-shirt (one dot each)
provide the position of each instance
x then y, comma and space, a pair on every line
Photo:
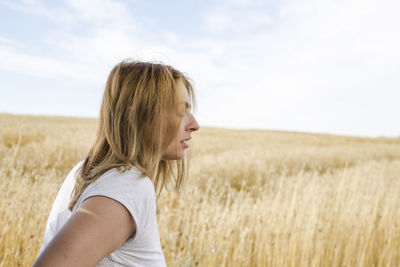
136, 193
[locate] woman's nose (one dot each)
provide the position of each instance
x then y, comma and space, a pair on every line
193, 125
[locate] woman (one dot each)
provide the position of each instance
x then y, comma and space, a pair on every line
110, 219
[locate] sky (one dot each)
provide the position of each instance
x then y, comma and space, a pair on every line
290, 65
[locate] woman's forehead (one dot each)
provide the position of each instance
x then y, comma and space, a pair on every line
183, 95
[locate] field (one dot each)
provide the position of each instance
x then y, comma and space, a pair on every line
254, 198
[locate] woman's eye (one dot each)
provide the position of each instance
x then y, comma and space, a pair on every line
181, 112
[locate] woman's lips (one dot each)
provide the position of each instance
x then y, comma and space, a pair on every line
186, 142
186, 145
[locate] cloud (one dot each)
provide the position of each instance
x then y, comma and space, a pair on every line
263, 64
74, 12
103, 12
39, 9
313, 59
247, 3
10, 44
83, 57
45, 67
233, 20
217, 22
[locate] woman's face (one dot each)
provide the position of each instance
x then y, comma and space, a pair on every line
176, 149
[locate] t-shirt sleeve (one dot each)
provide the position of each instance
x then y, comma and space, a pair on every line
135, 193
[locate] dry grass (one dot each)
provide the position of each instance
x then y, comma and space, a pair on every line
255, 198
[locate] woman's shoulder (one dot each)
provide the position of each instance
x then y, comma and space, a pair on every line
129, 184
126, 178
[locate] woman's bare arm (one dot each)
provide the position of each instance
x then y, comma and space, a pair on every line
98, 227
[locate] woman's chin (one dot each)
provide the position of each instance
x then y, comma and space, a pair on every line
174, 157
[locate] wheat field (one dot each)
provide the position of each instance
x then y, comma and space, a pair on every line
254, 198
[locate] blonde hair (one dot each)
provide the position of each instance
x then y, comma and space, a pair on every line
135, 126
